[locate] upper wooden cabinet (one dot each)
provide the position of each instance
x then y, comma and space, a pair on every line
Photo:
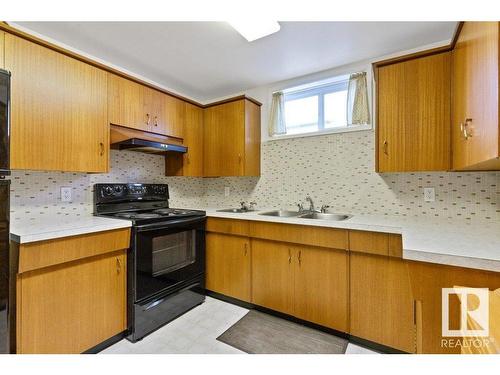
232, 139
190, 163
59, 110
413, 111
475, 126
2, 49
137, 106
126, 103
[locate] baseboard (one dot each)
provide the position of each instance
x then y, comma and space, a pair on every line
107, 343
355, 340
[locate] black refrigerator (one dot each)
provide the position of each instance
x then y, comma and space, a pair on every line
7, 322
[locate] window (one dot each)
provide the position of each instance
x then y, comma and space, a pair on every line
319, 107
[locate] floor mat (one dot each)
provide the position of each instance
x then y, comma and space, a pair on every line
259, 333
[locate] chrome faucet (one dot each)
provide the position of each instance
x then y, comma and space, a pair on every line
324, 208
311, 203
249, 207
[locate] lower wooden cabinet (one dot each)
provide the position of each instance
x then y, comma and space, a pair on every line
304, 281
72, 307
228, 265
272, 275
321, 286
381, 301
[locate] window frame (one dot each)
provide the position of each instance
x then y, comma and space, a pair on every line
320, 91
303, 90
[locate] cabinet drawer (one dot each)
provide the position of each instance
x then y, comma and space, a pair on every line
51, 252
227, 226
376, 243
300, 234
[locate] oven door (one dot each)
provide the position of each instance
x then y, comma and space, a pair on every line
168, 255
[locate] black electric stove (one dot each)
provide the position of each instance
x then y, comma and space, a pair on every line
166, 262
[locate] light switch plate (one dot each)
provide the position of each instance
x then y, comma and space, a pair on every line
66, 194
429, 194
227, 191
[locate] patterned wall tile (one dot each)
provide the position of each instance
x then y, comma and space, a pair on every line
338, 170
335, 169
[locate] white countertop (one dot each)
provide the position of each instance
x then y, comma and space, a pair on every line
50, 227
448, 242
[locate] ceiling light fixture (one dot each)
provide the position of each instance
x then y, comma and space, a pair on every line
252, 30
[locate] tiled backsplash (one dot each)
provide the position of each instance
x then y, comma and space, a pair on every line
338, 170
334, 169
38, 193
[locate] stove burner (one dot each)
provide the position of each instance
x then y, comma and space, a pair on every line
131, 215
171, 211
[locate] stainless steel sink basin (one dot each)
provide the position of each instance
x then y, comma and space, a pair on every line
234, 210
325, 216
281, 213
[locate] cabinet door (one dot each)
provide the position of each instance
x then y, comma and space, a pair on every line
413, 129
59, 110
381, 301
193, 139
228, 265
172, 116
321, 286
2, 49
272, 275
126, 104
475, 94
224, 132
72, 307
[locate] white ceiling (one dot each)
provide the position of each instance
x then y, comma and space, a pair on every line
207, 60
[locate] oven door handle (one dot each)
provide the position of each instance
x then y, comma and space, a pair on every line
170, 224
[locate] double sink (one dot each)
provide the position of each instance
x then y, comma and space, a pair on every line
301, 215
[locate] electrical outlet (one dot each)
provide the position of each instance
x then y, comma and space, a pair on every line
227, 191
66, 194
429, 194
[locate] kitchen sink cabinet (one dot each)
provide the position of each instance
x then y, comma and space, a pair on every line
232, 138
475, 97
321, 286
59, 110
190, 163
228, 265
73, 297
272, 275
307, 282
381, 301
413, 115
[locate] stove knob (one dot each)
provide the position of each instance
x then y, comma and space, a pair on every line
118, 189
108, 190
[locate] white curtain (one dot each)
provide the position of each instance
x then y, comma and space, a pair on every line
277, 115
358, 111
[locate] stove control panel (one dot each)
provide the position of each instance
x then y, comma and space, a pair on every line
108, 193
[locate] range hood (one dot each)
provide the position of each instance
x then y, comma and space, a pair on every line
122, 138
151, 147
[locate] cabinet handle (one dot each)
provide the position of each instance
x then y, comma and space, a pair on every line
464, 128
118, 265
239, 158
385, 147
156, 120
148, 119
299, 257
289, 256
246, 249
101, 148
